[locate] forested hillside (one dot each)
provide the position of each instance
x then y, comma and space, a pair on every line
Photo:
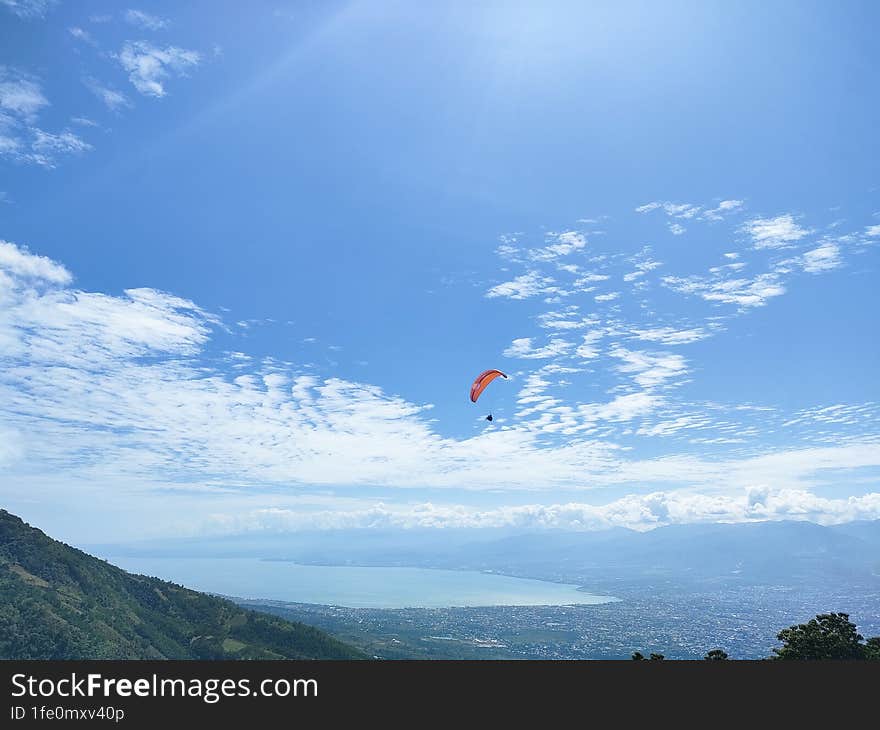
61, 603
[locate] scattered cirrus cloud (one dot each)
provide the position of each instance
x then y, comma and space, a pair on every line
779, 232
561, 244
689, 211
113, 99
119, 392
81, 35
685, 211
145, 20
21, 95
824, 258
150, 66
743, 292
528, 285
566, 367
724, 208
836, 414
568, 319
21, 140
84, 121
649, 370
588, 349
609, 297
46, 147
585, 282
671, 335
523, 348
28, 9
643, 266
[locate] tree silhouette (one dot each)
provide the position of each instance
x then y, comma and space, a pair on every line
639, 657
828, 636
716, 655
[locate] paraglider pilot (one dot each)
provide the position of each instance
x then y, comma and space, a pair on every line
479, 385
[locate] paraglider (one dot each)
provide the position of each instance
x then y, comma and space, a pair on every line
480, 384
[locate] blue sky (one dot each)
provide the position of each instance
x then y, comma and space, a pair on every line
252, 261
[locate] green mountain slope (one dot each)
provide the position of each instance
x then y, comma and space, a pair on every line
57, 602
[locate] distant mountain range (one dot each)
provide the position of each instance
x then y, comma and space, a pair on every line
779, 553
57, 602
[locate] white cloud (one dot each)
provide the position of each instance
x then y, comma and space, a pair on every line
47, 146
743, 292
675, 425
670, 335
80, 34
533, 388
588, 350
840, 413
872, 231
21, 99
636, 512
523, 348
648, 207
84, 121
20, 95
565, 320
28, 9
525, 286
564, 244
10, 144
38, 147
823, 258
622, 407
22, 263
10, 446
674, 210
609, 297
114, 390
725, 207
586, 281
507, 249
689, 211
642, 268
112, 98
124, 393
649, 369
683, 210
778, 232
511, 253
149, 65
145, 20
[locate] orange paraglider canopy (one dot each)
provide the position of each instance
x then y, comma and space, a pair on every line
483, 379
